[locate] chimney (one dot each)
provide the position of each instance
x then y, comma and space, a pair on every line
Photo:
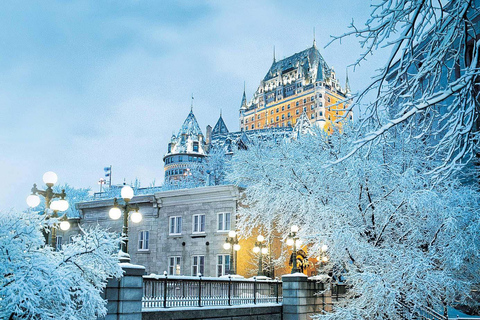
209, 134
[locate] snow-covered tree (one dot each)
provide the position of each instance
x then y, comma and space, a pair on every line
431, 81
404, 242
37, 282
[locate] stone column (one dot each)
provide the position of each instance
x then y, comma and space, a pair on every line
124, 296
301, 299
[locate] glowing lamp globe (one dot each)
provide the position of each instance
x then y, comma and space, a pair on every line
324, 248
260, 238
325, 259
127, 193
226, 246
231, 233
115, 213
294, 228
236, 247
64, 225
50, 178
256, 249
62, 205
264, 250
298, 243
55, 205
290, 241
33, 200
136, 217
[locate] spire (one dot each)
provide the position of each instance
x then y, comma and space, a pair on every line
314, 43
347, 84
191, 106
220, 112
244, 98
274, 54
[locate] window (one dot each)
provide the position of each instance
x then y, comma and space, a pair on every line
253, 118
288, 115
277, 110
304, 101
169, 147
312, 116
198, 265
223, 264
283, 108
180, 158
328, 99
259, 116
143, 240
312, 107
195, 147
312, 98
304, 108
271, 112
277, 118
297, 112
283, 117
271, 120
288, 107
174, 265
223, 221
321, 113
175, 225
253, 126
59, 243
296, 104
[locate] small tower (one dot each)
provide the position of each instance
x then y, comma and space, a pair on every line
185, 150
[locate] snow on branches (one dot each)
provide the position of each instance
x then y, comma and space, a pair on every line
430, 83
39, 283
401, 239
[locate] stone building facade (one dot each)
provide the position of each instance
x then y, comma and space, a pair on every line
182, 231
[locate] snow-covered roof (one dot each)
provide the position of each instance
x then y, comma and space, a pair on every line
190, 126
308, 61
220, 127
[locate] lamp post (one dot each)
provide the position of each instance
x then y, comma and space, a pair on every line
33, 200
293, 241
262, 249
116, 212
323, 257
231, 242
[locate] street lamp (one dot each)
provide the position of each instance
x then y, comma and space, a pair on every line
262, 249
33, 200
116, 212
323, 257
294, 241
231, 242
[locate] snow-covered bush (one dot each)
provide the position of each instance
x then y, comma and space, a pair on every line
39, 283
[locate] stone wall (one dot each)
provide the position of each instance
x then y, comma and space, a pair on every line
258, 312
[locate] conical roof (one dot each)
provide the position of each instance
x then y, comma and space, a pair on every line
220, 127
190, 126
302, 126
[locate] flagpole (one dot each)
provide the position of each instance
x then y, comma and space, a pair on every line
110, 180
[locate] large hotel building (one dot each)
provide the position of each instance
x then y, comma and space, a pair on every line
301, 83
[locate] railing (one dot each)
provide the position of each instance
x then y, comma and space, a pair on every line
180, 291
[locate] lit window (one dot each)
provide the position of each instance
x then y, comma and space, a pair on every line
223, 264
143, 240
174, 265
198, 223
175, 226
198, 265
223, 220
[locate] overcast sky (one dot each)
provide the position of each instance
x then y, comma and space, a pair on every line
85, 85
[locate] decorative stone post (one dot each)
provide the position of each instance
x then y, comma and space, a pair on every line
301, 298
124, 296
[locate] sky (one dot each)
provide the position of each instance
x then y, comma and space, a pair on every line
89, 84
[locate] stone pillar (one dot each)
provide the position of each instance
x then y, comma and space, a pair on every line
301, 299
124, 296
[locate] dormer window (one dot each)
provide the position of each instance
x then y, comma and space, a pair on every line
169, 147
195, 147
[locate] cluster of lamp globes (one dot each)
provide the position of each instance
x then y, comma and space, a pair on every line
33, 200
257, 249
228, 245
115, 213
